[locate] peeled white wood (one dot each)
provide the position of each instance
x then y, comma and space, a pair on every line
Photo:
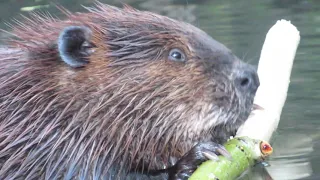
274, 72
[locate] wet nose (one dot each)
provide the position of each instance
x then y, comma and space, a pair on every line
247, 78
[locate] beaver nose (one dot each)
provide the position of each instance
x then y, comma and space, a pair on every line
247, 78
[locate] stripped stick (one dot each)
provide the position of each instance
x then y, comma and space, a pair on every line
274, 72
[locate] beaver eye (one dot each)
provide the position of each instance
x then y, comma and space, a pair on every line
177, 55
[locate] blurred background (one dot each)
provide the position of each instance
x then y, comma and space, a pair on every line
242, 25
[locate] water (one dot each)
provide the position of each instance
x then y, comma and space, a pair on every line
242, 26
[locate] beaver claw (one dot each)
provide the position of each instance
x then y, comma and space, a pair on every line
184, 168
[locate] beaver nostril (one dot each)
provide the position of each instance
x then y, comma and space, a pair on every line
245, 82
247, 79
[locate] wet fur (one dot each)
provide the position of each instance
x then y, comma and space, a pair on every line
127, 110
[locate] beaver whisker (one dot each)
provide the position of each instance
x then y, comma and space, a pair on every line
130, 110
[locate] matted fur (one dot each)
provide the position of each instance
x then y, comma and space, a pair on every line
129, 109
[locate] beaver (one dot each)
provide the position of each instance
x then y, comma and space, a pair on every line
116, 93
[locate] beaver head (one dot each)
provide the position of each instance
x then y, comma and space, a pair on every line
114, 86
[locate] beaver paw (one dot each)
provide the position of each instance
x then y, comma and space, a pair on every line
184, 168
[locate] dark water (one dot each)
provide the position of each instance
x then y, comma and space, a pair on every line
242, 25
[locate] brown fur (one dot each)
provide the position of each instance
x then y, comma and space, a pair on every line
128, 109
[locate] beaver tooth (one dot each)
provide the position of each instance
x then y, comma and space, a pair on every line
256, 107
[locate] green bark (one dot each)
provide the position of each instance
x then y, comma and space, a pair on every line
245, 153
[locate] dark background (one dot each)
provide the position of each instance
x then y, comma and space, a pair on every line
242, 26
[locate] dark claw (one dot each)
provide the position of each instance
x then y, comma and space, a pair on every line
184, 168
210, 155
220, 150
224, 152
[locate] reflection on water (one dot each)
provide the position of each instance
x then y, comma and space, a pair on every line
242, 26
291, 157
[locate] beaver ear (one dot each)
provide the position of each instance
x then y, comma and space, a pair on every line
74, 45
